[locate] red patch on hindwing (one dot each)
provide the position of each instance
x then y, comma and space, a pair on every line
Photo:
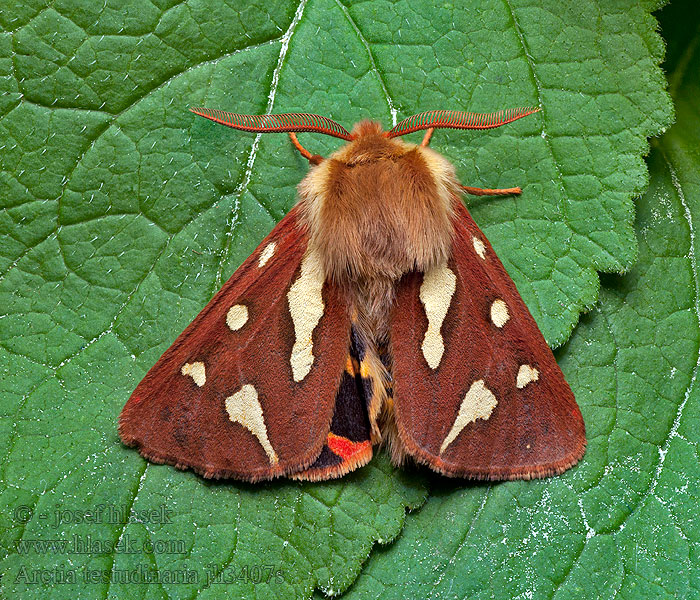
344, 447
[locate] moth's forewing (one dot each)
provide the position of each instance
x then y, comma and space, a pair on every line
477, 390
248, 389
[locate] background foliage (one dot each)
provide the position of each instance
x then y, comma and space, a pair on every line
122, 214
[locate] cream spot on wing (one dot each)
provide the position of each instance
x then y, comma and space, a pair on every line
526, 374
499, 313
306, 307
478, 403
479, 247
266, 254
196, 371
244, 408
237, 316
436, 293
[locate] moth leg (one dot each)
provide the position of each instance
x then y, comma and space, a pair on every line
349, 444
474, 191
471, 190
314, 159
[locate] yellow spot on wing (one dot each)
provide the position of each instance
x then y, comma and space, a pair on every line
478, 403
306, 307
195, 370
479, 247
244, 408
499, 313
526, 374
266, 254
436, 293
365, 369
237, 316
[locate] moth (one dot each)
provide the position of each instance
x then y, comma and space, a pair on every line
376, 311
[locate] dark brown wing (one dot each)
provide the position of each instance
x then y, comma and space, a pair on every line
248, 389
477, 390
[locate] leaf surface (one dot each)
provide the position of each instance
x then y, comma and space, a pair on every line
121, 214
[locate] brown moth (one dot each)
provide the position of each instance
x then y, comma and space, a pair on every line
375, 311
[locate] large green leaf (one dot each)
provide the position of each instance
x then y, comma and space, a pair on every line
122, 214
624, 524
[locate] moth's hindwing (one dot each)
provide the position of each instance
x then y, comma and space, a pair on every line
248, 389
477, 391
348, 445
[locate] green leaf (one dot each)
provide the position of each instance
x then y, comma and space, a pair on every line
623, 524
122, 214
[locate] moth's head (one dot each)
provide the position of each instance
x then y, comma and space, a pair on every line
369, 143
367, 129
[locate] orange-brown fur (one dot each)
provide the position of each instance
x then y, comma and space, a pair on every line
376, 209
